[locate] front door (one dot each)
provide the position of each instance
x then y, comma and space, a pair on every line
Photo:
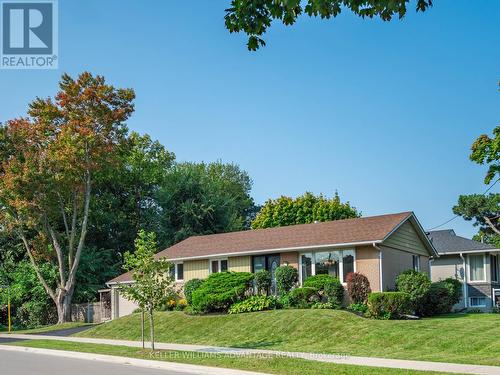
273, 262
269, 263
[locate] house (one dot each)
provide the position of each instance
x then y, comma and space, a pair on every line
475, 264
380, 247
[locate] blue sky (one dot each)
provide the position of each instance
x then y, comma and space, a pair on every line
385, 113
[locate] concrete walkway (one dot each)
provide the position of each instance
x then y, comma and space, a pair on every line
331, 358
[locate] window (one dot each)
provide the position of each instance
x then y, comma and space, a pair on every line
416, 263
336, 263
218, 265
180, 271
477, 301
177, 271
327, 263
258, 263
476, 267
494, 267
347, 262
306, 266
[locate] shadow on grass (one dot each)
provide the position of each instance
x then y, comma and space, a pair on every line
257, 345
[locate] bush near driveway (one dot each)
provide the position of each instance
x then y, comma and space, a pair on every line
220, 290
389, 305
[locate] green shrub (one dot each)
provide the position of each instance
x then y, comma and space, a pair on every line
329, 288
221, 290
455, 289
358, 287
286, 278
389, 305
442, 296
255, 303
34, 314
417, 285
263, 281
302, 298
321, 305
358, 307
285, 300
189, 287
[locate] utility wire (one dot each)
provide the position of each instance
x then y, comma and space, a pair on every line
454, 217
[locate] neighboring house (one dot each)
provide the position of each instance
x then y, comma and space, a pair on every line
380, 247
474, 263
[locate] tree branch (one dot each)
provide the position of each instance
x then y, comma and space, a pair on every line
491, 225
35, 266
60, 256
83, 233
71, 246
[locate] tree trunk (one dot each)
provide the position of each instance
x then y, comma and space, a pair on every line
142, 327
63, 305
152, 329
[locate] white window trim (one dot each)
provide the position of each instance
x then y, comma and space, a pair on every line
176, 271
313, 262
469, 274
218, 260
471, 305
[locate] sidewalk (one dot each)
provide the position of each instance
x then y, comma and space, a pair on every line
331, 358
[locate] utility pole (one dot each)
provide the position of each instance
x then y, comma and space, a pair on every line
8, 306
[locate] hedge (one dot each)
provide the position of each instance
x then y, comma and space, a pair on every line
220, 290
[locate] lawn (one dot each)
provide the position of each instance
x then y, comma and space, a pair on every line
273, 365
471, 338
51, 328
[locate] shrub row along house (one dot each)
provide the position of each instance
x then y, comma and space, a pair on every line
380, 247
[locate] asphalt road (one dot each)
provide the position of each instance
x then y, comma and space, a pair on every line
15, 363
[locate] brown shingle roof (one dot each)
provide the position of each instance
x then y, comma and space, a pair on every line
349, 231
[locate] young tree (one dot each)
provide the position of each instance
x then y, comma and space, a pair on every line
305, 209
48, 164
152, 281
253, 17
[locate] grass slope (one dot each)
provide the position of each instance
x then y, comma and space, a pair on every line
52, 328
274, 365
472, 338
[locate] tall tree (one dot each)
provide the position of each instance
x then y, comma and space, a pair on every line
49, 163
199, 198
253, 17
305, 209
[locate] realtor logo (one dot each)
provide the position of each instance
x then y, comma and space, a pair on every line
29, 35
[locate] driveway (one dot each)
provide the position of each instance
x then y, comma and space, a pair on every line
16, 363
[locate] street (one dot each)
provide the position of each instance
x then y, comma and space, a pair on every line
15, 363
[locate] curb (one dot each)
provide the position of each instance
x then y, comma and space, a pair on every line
144, 363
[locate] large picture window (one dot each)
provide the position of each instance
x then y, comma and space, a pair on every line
336, 263
476, 267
